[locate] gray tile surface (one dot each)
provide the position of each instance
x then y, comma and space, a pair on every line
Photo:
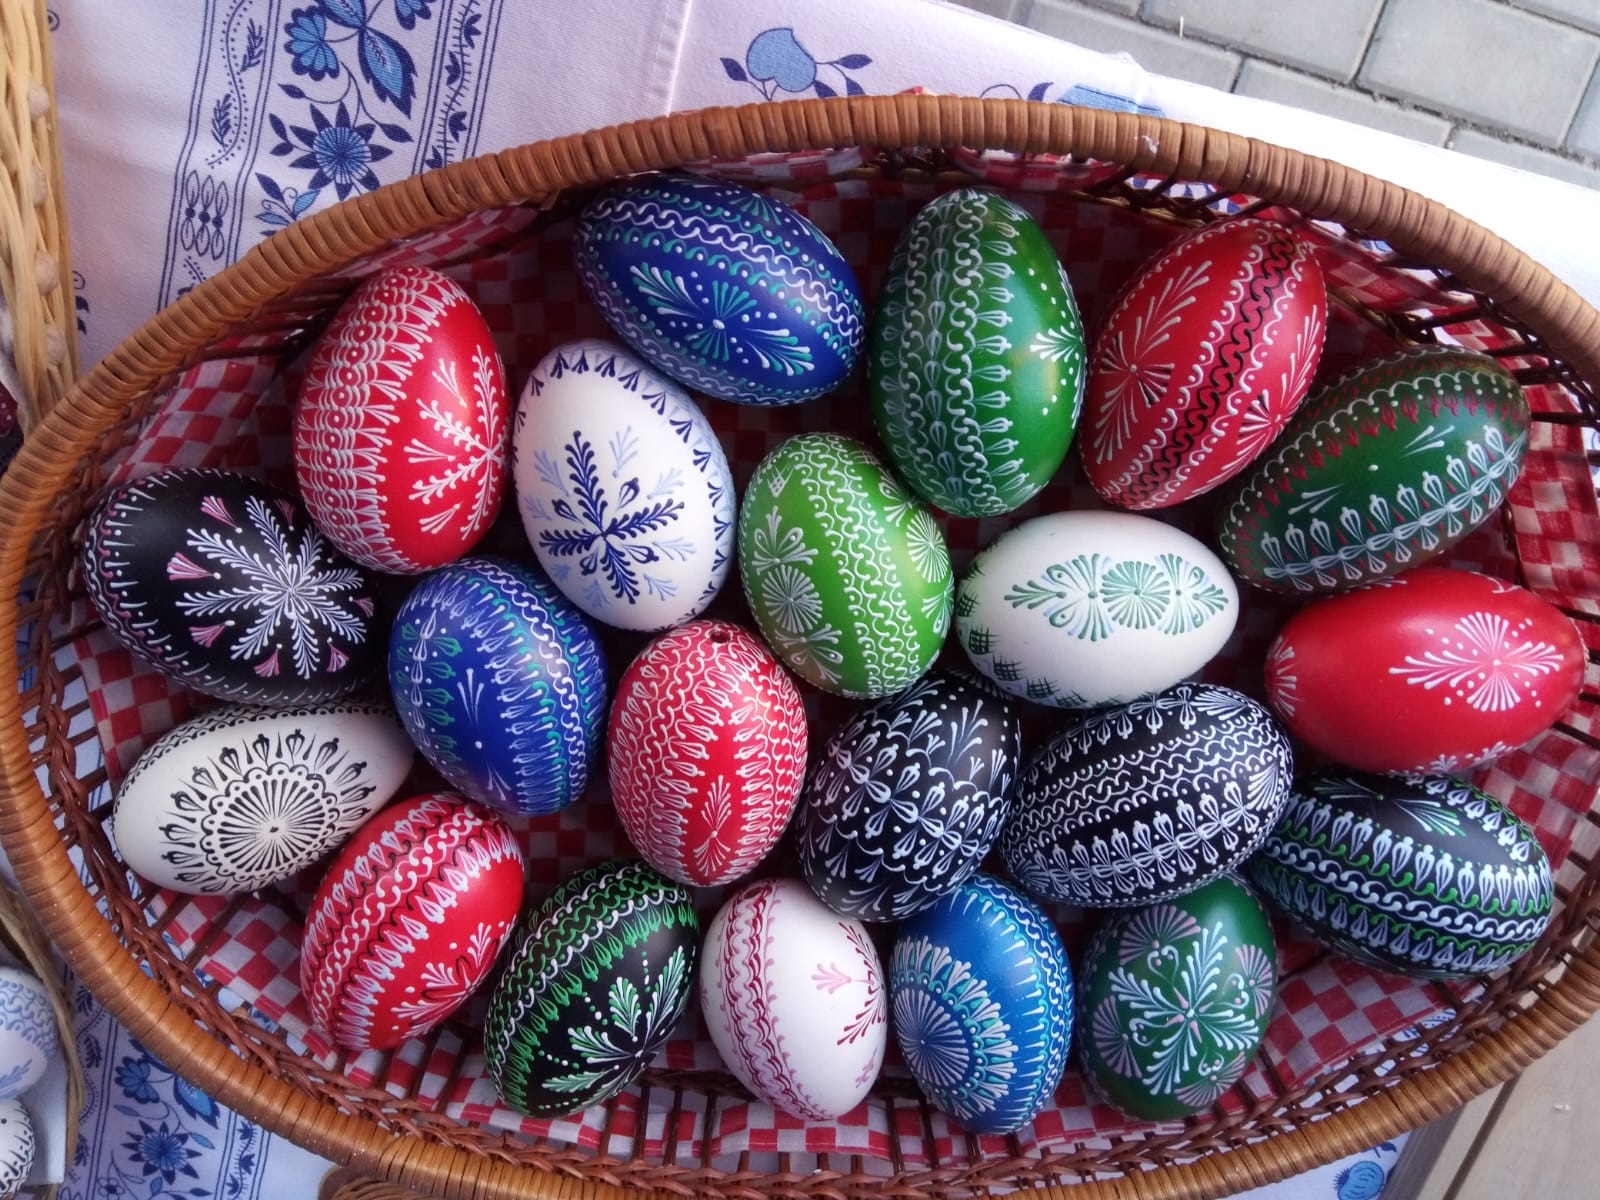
1325, 36
1584, 137
1486, 61
1153, 49
1512, 154
1263, 81
1006, 10
1583, 13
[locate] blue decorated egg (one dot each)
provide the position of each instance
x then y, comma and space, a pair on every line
907, 797
982, 1000
728, 292
501, 684
624, 491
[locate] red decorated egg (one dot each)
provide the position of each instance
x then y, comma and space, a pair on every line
1432, 671
707, 752
409, 920
401, 433
1204, 357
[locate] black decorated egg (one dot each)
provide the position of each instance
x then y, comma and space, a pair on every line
728, 292
224, 583
1423, 875
602, 975
982, 999
908, 796
1148, 800
501, 683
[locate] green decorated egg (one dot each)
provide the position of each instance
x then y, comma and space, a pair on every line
1176, 997
1388, 467
600, 977
977, 356
847, 576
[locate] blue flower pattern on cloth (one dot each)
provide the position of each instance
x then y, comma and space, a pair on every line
776, 62
296, 108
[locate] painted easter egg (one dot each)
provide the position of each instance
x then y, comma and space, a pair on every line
1148, 800
847, 576
1422, 875
224, 583
1175, 1000
726, 291
793, 997
706, 751
1381, 471
1204, 357
240, 798
409, 919
602, 974
17, 1146
907, 797
402, 425
1433, 671
1077, 609
29, 1035
623, 488
501, 684
982, 998
977, 356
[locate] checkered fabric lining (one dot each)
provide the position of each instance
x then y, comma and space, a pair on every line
236, 413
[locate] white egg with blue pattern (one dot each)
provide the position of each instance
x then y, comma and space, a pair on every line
29, 1038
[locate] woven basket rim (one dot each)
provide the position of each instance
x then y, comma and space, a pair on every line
330, 239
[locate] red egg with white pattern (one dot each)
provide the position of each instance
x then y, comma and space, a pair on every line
1205, 356
707, 750
409, 920
402, 430
1435, 670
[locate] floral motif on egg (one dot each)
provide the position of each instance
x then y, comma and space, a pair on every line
1483, 661
1089, 594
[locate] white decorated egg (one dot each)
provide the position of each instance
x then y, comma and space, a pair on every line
242, 797
1079, 609
793, 996
16, 1146
29, 1037
624, 491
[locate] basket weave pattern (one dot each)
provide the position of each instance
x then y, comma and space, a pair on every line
1484, 293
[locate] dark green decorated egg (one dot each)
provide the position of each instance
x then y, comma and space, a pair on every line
847, 575
1421, 875
977, 356
1388, 467
1175, 1000
600, 978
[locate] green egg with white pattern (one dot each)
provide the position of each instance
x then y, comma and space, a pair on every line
847, 575
977, 364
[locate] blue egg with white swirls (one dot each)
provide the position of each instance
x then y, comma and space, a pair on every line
982, 1001
729, 292
501, 683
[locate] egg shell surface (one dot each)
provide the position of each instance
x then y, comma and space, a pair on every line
242, 797
18, 1146
793, 996
847, 576
978, 356
1078, 609
622, 486
706, 751
223, 582
1206, 354
1176, 999
501, 683
409, 919
401, 429
726, 291
29, 1035
907, 796
602, 974
1148, 800
1423, 875
981, 992
1433, 671
1388, 467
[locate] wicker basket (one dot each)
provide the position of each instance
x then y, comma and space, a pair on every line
382, 1118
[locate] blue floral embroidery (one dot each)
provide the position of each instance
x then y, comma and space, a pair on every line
339, 153
776, 61
1362, 1180
133, 1077
308, 43
162, 1151
1079, 94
